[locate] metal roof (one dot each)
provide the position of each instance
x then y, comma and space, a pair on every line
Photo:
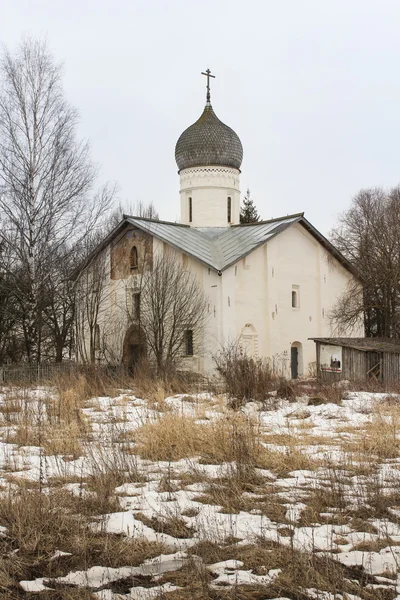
364, 344
217, 247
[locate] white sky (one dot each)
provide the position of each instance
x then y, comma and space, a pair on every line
312, 88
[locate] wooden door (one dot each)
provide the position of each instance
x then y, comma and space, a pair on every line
294, 363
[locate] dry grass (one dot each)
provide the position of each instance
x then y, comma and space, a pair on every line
233, 496
58, 439
291, 459
169, 438
233, 437
40, 524
54, 422
155, 389
300, 570
378, 437
171, 525
381, 436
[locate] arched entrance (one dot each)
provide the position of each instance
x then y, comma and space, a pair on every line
296, 360
134, 348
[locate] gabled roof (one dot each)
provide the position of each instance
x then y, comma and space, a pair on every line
218, 247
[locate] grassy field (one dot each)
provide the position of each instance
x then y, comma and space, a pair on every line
140, 493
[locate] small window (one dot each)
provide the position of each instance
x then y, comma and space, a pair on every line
189, 342
136, 306
295, 297
134, 258
229, 209
97, 337
184, 261
190, 211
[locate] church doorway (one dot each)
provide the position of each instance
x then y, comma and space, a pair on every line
296, 360
134, 348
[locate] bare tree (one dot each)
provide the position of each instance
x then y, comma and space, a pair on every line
90, 301
46, 180
137, 209
172, 311
368, 236
10, 346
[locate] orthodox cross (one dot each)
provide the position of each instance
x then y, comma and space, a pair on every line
208, 75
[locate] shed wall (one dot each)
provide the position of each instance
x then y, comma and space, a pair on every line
356, 365
391, 367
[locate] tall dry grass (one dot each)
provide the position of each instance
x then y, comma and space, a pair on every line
40, 524
378, 437
174, 436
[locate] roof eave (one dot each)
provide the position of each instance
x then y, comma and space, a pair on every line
99, 248
330, 248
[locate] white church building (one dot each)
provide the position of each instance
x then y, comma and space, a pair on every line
271, 284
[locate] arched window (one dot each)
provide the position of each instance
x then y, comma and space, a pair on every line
229, 209
134, 258
295, 296
97, 337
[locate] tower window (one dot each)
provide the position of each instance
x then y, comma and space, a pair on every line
134, 258
189, 342
190, 211
229, 209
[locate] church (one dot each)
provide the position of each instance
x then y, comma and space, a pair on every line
270, 285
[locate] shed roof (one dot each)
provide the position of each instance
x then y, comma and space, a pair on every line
364, 344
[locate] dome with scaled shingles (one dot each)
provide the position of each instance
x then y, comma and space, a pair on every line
208, 142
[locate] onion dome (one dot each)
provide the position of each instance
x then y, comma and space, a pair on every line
208, 142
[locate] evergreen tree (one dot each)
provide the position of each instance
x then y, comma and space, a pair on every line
248, 212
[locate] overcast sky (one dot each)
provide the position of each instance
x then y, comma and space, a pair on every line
312, 87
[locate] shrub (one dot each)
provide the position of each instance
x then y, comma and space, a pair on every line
245, 378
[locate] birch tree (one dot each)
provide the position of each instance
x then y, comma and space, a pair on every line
46, 179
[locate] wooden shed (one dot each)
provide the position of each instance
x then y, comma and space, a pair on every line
358, 359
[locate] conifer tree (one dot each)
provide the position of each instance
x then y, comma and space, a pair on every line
248, 212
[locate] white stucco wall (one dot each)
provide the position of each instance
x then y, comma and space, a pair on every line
252, 299
209, 189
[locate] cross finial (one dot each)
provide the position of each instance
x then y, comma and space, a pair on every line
208, 75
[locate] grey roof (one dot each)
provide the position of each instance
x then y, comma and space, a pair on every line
217, 247
364, 344
208, 142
